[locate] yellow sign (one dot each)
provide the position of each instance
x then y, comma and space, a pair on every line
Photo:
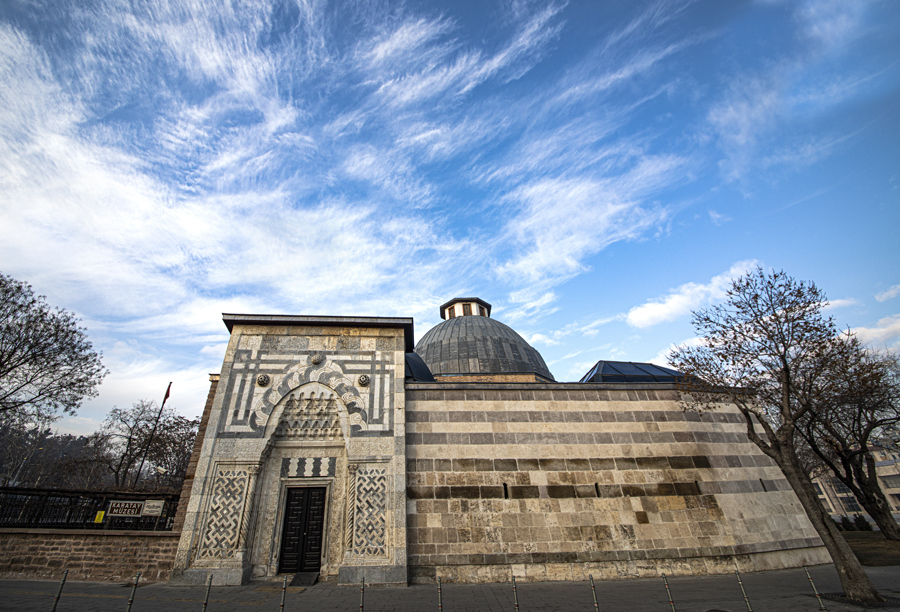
99, 517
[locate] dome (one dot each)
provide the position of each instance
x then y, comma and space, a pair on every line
479, 345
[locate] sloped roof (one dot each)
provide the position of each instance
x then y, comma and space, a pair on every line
630, 372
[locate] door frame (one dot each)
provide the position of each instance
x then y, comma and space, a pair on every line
277, 533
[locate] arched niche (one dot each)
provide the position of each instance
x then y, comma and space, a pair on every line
326, 374
312, 411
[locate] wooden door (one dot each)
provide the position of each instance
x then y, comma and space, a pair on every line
304, 525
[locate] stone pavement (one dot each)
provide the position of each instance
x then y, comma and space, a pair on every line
775, 591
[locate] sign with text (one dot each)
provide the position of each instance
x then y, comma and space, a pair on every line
125, 508
153, 507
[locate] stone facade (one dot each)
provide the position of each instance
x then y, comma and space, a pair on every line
303, 402
477, 476
88, 555
195, 456
556, 481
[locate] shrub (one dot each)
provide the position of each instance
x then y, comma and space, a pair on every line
861, 523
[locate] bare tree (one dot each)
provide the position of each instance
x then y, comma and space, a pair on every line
170, 451
22, 441
126, 434
769, 351
122, 439
862, 400
32, 455
47, 363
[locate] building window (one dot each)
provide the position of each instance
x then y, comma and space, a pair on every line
451, 312
840, 487
891, 481
851, 504
481, 311
467, 309
818, 488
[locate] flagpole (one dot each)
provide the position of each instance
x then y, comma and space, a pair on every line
150, 439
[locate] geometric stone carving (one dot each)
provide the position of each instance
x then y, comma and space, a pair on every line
370, 528
351, 506
369, 407
308, 467
226, 503
310, 416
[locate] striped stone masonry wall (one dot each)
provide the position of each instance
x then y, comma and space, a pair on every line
555, 481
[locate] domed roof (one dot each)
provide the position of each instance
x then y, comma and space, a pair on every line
479, 345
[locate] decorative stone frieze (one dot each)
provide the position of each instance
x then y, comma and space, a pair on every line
299, 430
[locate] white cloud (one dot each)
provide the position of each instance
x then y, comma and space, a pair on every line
443, 70
579, 369
831, 23
394, 174
538, 338
886, 332
559, 222
755, 120
408, 45
805, 152
842, 303
888, 294
718, 218
592, 328
662, 357
748, 110
682, 300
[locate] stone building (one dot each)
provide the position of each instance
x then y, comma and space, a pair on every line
333, 445
838, 499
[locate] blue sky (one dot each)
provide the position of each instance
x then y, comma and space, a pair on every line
595, 170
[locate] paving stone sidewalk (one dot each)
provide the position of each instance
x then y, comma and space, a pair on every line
776, 591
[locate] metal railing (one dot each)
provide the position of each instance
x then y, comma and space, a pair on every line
66, 509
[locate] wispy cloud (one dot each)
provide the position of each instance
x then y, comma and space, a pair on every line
748, 110
717, 218
160, 165
682, 300
788, 94
831, 23
558, 222
889, 294
408, 72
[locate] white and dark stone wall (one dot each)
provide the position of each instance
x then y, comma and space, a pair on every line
558, 481
313, 403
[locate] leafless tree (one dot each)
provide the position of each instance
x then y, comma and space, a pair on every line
22, 441
47, 363
32, 455
863, 398
770, 351
126, 434
170, 451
